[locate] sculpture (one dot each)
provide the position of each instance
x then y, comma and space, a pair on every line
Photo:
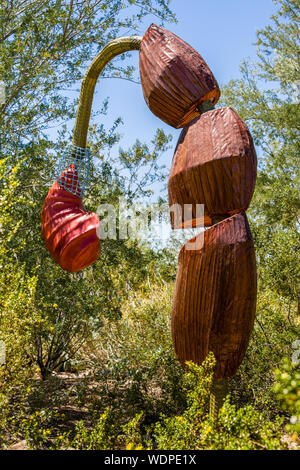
214, 164
69, 232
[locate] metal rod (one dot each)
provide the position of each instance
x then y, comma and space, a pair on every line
218, 394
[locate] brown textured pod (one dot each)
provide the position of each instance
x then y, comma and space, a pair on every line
70, 232
175, 78
214, 164
215, 296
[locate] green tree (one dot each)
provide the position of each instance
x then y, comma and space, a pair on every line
45, 47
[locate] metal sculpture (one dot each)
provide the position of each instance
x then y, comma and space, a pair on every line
214, 164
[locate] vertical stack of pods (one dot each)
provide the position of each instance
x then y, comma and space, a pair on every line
214, 164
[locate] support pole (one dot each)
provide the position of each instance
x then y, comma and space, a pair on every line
218, 394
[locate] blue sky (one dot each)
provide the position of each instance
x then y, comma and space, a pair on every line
222, 31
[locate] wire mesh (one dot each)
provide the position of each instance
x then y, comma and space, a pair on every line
73, 170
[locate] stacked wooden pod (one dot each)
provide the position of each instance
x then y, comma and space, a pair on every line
214, 299
175, 78
215, 165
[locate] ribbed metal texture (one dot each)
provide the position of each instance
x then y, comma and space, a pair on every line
215, 296
175, 78
214, 164
70, 233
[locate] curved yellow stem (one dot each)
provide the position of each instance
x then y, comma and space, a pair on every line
111, 50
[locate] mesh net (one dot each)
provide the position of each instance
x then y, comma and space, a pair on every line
73, 170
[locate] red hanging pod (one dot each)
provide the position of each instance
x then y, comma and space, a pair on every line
215, 296
214, 164
70, 233
175, 78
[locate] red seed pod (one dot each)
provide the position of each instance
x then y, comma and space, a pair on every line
70, 233
215, 296
175, 78
69, 180
214, 164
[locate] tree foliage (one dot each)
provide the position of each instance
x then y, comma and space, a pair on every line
45, 49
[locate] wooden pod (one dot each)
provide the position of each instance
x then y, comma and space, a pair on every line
215, 296
214, 164
70, 233
175, 78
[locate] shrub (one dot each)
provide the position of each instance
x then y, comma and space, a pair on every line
243, 429
287, 388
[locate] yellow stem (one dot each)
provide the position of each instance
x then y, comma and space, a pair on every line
111, 50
